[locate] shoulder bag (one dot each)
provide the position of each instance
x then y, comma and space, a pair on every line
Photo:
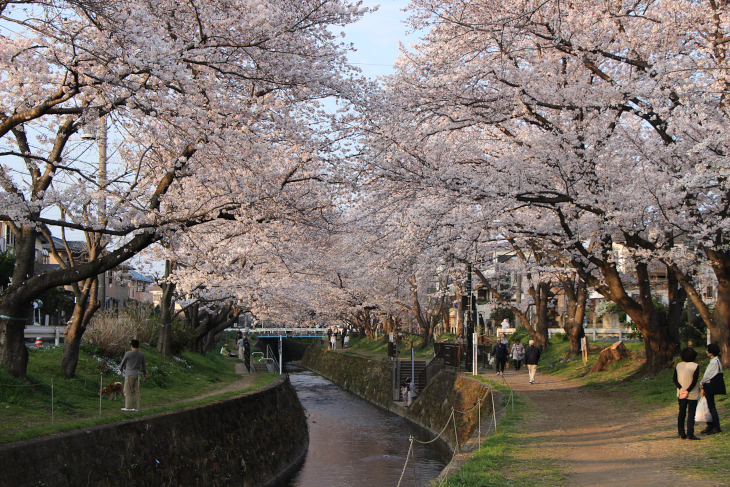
716, 384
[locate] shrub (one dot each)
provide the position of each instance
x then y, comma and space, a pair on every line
182, 334
520, 333
499, 314
111, 332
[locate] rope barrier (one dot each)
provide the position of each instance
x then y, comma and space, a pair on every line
406, 464
13, 319
452, 416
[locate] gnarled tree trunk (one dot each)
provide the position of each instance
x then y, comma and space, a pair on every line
576, 296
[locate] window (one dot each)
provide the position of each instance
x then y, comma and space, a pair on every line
9, 237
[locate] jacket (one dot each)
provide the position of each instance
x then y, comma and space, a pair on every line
532, 355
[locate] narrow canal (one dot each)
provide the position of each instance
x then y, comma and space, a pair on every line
353, 443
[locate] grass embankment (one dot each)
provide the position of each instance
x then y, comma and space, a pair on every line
368, 346
49, 403
505, 460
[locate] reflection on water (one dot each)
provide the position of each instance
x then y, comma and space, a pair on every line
353, 443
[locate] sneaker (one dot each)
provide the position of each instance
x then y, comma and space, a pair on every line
127, 410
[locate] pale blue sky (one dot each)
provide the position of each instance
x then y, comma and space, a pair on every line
376, 37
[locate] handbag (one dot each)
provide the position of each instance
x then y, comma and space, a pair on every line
716, 385
703, 415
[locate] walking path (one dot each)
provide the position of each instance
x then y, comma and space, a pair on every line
602, 439
244, 381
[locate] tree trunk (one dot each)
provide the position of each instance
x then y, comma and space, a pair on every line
720, 324
164, 335
576, 296
86, 306
16, 305
660, 348
677, 297
13, 353
541, 307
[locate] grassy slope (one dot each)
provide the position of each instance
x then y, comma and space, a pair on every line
25, 411
380, 346
504, 459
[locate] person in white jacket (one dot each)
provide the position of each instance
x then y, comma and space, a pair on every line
713, 368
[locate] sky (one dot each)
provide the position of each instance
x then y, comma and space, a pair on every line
376, 37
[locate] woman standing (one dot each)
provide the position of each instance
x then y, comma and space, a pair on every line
518, 354
713, 368
686, 377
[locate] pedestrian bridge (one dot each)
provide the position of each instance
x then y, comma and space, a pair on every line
289, 332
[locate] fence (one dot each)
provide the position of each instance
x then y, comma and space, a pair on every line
55, 332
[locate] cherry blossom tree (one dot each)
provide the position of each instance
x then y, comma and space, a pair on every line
216, 107
600, 129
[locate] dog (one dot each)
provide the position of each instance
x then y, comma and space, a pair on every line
112, 390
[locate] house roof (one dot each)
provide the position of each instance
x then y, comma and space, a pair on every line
136, 276
74, 245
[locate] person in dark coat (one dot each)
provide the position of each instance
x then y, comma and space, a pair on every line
501, 354
532, 356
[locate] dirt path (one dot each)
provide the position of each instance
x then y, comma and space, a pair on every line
244, 381
601, 439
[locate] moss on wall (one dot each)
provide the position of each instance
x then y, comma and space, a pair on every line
247, 441
371, 380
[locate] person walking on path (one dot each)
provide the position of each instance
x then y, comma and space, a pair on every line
132, 363
708, 388
686, 377
532, 356
239, 344
501, 354
518, 354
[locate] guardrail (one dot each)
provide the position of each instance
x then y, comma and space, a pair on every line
594, 332
286, 332
55, 332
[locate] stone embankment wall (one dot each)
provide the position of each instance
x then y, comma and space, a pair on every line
371, 380
248, 440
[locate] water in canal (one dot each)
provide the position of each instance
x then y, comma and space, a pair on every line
353, 443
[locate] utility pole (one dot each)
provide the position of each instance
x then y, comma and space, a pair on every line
469, 316
101, 142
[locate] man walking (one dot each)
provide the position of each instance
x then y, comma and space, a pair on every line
532, 356
131, 365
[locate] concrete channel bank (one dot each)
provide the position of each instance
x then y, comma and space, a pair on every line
371, 380
248, 440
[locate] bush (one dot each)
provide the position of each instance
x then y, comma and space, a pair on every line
521, 334
499, 314
111, 332
181, 336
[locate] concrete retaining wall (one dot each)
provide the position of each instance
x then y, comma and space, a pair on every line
371, 380
248, 440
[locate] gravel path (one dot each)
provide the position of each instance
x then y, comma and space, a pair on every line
602, 439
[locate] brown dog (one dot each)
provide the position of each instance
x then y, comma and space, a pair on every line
112, 390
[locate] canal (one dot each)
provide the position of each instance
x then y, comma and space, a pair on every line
353, 443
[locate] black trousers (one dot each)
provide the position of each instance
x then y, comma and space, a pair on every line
687, 408
518, 364
500, 364
713, 410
